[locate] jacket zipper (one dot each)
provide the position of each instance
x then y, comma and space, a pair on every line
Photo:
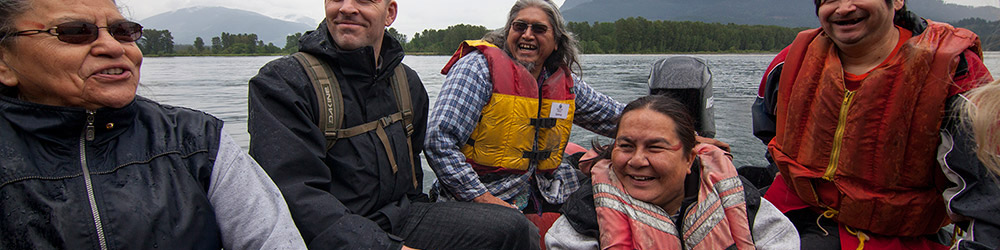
679, 223
838, 137
88, 135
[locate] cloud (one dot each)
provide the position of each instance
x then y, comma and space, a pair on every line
414, 15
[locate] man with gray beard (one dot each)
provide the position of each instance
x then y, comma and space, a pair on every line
505, 111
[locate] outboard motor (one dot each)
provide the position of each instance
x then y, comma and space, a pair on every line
688, 80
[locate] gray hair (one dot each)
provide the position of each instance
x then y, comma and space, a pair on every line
9, 10
567, 53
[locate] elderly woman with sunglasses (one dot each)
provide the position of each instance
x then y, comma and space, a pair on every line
86, 164
655, 187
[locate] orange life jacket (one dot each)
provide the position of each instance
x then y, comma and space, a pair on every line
523, 122
867, 156
627, 223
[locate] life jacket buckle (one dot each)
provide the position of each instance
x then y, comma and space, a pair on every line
537, 155
543, 122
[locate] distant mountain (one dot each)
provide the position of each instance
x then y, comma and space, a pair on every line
309, 21
788, 13
207, 22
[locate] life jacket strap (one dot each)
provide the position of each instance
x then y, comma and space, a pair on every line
544, 122
537, 155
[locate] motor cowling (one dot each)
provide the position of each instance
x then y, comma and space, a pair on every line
689, 81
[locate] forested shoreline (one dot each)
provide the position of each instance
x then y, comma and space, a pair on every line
634, 35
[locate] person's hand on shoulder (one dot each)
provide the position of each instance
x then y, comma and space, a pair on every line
588, 160
722, 145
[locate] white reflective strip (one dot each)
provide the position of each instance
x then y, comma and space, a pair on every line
705, 205
613, 191
970, 233
644, 218
714, 209
702, 231
734, 198
945, 148
728, 183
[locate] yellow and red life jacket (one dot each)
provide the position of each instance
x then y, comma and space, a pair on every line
867, 156
523, 122
628, 223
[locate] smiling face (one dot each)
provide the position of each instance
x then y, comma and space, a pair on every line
359, 23
649, 158
857, 22
103, 73
529, 47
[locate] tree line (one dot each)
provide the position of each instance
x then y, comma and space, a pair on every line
161, 42
639, 35
625, 36
989, 32
633, 35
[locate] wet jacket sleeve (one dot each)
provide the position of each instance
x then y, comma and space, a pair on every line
248, 206
286, 142
763, 108
971, 202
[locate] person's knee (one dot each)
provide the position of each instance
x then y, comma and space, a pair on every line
514, 223
514, 230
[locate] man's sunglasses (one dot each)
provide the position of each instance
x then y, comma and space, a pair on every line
82, 33
537, 28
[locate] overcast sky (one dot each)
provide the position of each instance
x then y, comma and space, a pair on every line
414, 15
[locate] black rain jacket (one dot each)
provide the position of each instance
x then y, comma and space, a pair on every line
139, 182
346, 197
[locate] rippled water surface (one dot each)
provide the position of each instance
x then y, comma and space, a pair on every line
218, 85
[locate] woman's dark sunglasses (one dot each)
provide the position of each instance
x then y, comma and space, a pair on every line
82, 33
537, 28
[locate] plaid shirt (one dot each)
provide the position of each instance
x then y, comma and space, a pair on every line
466, 90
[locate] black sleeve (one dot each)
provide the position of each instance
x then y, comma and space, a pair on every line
287, 143
751, 195
580, 211
765, 127
972, 202
763, 108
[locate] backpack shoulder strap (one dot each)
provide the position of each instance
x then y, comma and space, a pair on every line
401, 87
330, 103
331, 107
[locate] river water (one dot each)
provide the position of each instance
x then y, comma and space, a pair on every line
218, 85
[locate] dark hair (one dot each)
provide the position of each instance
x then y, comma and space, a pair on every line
567, 53
10, 9
683, 123
899, 13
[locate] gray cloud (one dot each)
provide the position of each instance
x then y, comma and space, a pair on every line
414, 15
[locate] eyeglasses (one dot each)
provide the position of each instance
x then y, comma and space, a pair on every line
82, 33
537, 28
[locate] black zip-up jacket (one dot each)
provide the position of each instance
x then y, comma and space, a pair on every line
346, 197
128, 178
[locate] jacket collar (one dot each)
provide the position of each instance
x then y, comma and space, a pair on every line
66, 125
352, 63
